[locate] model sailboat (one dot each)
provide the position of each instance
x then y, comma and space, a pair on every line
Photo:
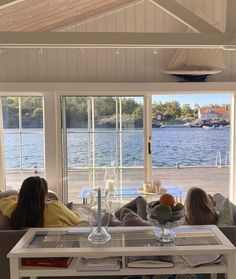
196, 64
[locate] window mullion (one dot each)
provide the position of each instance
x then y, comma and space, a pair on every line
2, 160
147, 138
20, 139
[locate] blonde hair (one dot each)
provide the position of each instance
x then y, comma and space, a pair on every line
199, 208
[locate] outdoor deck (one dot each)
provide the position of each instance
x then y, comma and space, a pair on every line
211, 179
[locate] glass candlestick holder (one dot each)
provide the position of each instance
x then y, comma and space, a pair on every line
110, 178
99, 217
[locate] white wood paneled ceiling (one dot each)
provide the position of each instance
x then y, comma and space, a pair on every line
34, 15
111, 65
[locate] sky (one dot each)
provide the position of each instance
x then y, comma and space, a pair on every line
192, 99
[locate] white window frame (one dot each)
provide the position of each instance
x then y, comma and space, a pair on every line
52, 92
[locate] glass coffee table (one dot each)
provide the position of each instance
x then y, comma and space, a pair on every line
125, 242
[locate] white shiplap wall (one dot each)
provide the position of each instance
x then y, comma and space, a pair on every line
105, 65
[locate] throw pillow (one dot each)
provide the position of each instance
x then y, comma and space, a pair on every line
86, 214
225, 217
219, 199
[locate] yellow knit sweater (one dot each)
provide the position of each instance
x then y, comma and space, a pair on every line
56, 214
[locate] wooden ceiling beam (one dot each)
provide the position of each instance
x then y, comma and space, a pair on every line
115, 40
185, 16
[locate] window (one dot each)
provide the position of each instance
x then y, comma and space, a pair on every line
23, 138
99, 133
84, 136
191, 141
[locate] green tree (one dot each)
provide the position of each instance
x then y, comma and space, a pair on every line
138, 113
129, 105
186, 111
10, 108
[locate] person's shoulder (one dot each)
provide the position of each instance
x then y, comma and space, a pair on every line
53, 204
9, 199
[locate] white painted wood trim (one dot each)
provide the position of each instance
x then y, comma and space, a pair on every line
147, 138
2, 161
232, 189
185, 16
53, 139
115, 40
102, 88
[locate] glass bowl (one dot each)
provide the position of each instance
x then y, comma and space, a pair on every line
165, 221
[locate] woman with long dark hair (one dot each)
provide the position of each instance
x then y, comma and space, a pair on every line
31, 209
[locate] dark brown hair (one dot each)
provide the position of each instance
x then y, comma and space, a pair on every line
29, 211
199, 208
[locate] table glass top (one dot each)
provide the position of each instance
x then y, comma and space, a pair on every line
129, 238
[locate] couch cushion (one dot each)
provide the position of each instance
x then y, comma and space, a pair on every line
4, 222
8, 239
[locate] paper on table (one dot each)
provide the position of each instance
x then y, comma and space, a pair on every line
199, 260
98, 264
150, 261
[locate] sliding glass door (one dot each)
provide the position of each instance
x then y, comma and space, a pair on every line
100, 134
191, 141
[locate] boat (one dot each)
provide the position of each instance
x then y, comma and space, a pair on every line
186, 125
212, 127
196, 64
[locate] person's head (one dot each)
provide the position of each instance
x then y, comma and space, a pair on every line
199, 208
29, 210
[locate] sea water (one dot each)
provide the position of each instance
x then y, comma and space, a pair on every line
170, 147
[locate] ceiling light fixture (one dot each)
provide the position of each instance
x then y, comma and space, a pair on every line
40, 51
117, 51
155, 51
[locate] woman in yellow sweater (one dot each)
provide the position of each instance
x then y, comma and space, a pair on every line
30, 209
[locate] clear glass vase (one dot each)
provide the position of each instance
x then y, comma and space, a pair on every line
100, 217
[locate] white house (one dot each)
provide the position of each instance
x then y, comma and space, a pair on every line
215, 112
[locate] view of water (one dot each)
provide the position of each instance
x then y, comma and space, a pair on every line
186, 146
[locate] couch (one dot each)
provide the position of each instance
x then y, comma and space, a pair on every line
8, 238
